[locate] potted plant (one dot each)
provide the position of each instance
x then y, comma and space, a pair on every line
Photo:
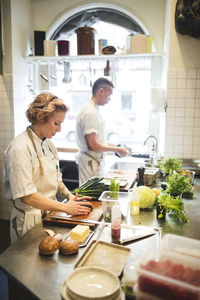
167, 204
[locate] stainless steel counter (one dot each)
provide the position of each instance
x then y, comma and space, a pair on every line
32, 276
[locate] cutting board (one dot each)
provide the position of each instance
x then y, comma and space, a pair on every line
96, 214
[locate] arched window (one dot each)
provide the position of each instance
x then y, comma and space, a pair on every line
72, 78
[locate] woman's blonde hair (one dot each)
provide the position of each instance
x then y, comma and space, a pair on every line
44, 107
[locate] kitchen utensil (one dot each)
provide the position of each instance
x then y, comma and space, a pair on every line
60, 217
67, 73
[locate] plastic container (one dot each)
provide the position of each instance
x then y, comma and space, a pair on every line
109, 199
134, 202
181, 245
166, 275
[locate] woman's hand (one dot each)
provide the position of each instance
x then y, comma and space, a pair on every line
76, 197
77, 207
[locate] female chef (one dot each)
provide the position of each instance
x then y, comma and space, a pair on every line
31, 173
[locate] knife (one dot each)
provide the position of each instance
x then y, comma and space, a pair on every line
75, 220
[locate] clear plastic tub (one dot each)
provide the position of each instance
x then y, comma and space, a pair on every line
181, 245
166, 275
109, 199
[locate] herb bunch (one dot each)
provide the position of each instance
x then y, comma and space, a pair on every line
172, 205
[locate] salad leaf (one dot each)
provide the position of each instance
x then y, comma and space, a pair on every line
173, 205
171, 164
178, 184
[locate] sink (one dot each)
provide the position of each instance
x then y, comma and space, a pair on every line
122, 165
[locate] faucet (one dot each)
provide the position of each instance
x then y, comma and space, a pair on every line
155, 143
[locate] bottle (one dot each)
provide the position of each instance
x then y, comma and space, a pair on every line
116, 222
107, 69
134, 203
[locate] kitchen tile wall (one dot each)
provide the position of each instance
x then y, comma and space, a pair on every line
6, 133
183, 113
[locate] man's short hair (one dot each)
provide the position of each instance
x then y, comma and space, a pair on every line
99, 83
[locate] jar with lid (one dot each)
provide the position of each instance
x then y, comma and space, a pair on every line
85, 40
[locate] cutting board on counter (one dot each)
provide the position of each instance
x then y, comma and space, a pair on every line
96, 215
128, 175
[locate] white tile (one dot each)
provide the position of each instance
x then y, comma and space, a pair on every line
180, 112
172, 73
170, 112
181, 73
181, 83
171, 102
169, 140
196, 122
179, 130
171, 93
188, 131
187, 149
189, 122
191, 73
197, 103
198, 84
190, 102
188, 140
189, 112
181, 93
191, 83
171, 83
196, 151
170, 130
178, 139
186, 154
190, 93
197, 113
170, 121
196, 141
178, 150
179, 121
180, 102
198, 73
197, 131
197, 93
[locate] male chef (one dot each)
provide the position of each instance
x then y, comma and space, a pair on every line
90, 133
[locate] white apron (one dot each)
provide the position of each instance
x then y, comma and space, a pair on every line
89, 167
25, 216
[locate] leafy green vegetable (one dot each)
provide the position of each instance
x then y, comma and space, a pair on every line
172, 205
114, 188
93, 188
178, 184
147, 196
171, 164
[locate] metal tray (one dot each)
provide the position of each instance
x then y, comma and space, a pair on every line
84, 243
105, 255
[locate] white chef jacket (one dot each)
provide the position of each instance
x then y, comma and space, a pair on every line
89, 121
22, 177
